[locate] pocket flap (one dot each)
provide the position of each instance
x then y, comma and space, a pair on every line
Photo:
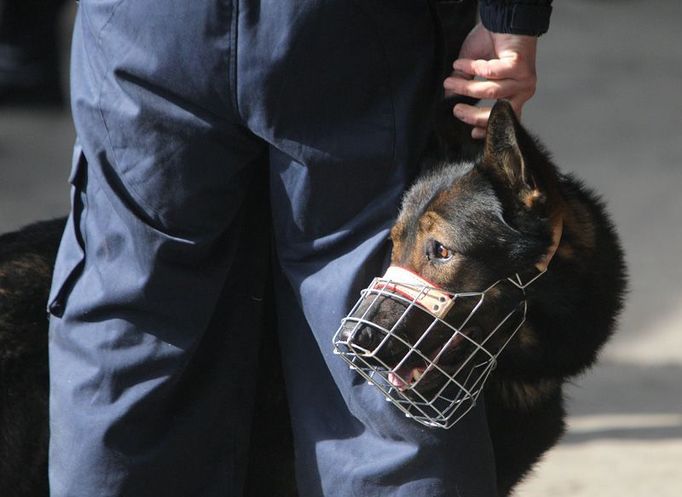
71, 255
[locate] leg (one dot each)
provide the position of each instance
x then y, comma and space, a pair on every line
346, 107
158, 286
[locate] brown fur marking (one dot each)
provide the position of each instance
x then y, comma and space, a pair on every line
531, 197
579, 233
526, 336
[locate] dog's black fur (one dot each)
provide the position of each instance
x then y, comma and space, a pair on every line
493, 213
26, 260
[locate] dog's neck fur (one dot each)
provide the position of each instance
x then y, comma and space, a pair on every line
577, 269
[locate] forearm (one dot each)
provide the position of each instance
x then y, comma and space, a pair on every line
522, 17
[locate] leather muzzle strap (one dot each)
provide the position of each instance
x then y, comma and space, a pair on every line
416, 289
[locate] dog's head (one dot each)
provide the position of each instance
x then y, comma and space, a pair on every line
464, 233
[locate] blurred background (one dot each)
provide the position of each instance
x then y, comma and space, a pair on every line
609, 107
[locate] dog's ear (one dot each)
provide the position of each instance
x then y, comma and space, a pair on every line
514, 162
524, 176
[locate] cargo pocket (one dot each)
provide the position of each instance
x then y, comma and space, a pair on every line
71, 255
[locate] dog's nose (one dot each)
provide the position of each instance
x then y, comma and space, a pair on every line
360, 339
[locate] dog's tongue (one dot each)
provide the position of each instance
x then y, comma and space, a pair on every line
403, 377
397, 380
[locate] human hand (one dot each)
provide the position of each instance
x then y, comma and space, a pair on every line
506, 62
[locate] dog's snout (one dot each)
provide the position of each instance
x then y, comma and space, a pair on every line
376, 328
359, 338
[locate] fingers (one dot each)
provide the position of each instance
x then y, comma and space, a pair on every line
472, 115
485, 90
492, 66
504, 78
489, 69
478, 117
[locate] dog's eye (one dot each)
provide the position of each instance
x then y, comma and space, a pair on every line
441, 252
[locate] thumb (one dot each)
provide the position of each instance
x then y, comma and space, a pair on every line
477, 45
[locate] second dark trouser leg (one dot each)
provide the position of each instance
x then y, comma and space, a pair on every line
344, 92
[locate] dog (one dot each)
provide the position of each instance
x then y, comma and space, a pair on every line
463, 226
467, 227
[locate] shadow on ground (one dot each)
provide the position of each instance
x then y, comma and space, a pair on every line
621, 401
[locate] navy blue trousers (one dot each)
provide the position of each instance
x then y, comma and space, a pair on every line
192, 117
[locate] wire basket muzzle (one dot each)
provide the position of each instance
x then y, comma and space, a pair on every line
430, 363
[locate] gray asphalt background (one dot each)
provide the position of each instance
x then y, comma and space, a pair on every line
609, 107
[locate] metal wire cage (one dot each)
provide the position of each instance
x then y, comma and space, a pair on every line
435, 373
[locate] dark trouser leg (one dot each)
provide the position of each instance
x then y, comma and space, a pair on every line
158, 286
344, 93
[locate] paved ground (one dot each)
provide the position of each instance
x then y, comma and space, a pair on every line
609, 107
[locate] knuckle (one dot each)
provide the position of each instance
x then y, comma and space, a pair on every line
484, 71
491, 93
468, 91
515, 59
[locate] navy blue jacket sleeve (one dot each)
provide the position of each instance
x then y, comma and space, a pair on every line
521, 17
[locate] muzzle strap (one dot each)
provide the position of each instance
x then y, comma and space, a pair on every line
420, 291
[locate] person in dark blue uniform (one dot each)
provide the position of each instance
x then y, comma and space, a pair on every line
191, 119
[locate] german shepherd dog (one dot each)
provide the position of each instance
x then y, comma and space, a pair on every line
463, 226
